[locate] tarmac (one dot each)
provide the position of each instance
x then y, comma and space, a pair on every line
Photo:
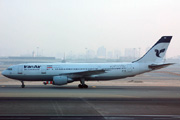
154, 95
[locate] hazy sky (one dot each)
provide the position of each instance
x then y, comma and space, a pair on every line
58, 26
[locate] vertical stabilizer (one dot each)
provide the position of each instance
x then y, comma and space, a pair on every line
157, 52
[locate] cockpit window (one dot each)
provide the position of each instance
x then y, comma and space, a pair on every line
9, 69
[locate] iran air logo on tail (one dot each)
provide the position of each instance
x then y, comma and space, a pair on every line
158, 52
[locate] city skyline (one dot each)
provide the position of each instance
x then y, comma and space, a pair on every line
90, 53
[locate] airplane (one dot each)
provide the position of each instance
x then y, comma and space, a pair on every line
64, 73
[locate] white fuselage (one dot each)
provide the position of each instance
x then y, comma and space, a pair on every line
46, 71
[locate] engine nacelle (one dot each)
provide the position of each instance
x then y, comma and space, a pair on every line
61, 80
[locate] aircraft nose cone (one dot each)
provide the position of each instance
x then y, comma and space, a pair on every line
3, 73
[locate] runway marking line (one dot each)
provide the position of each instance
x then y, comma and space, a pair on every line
57, 110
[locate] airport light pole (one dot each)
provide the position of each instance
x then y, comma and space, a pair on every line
37, 51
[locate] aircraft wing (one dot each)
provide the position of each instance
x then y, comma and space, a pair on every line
159, 66
84, 73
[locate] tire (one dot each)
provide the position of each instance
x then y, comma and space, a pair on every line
85, 86
80, 86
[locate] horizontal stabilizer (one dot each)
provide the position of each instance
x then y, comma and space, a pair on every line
155, 67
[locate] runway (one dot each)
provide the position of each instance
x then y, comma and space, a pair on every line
71, 91
103, 102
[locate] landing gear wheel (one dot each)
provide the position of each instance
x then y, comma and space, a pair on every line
23, 86
82, 86
85, 86
44, 83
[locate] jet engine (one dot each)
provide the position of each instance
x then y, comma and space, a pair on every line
61, 80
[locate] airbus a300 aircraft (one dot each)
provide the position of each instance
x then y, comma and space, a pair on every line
63, 73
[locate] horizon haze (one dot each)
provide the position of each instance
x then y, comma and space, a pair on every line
55, 27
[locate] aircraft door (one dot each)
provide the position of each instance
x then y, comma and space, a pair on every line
20, 69
43, 69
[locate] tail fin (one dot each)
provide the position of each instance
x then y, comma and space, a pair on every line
157, 52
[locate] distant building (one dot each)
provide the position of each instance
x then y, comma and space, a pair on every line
101, 52
110, 55
33, 58
117, 54
90, 54
19, 60
131, 53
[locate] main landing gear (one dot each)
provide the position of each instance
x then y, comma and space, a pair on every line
82, 85
23, 86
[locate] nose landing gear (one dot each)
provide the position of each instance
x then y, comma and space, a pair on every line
23, 86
